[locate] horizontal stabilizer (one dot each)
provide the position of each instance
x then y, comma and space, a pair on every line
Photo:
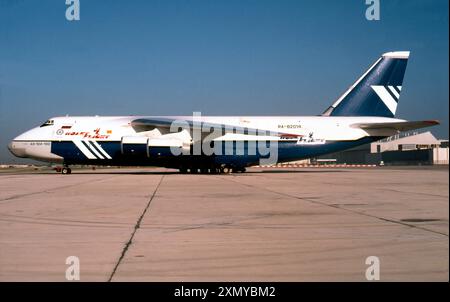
399, 126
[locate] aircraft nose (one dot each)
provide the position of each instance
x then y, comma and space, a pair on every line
17, 150
10, 147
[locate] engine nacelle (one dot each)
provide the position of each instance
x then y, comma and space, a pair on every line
166, 146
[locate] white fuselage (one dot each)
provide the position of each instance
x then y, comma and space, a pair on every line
36, 143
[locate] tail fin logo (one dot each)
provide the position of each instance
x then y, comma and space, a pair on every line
389, 95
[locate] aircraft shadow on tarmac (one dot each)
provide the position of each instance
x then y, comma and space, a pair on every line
171, 172
280, 171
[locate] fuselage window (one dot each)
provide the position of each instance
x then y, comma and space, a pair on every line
48, 123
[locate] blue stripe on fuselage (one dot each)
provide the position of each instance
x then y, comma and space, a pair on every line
287, 151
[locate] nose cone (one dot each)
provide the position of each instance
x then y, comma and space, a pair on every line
16, 149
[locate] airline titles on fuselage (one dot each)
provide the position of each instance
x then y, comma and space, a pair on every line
86, 134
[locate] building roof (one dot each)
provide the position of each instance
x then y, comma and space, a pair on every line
425, 138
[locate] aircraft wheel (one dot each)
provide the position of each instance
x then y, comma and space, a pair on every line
226, 170
183, 170
66, 170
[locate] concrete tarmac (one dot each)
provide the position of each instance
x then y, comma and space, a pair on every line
272, 224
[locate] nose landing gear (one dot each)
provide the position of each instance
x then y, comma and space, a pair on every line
66, 170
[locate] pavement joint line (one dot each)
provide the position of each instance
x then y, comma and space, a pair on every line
53, 189
340, 208
420, 193
136, 227
72, 224
25, 219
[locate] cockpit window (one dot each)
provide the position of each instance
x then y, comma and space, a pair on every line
48, 123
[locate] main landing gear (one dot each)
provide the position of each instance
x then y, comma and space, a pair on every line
213, 170
229, 169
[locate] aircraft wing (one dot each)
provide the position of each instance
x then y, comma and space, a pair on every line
148, 124
163, 124
399, 126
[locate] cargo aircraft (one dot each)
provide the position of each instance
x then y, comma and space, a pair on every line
222, 144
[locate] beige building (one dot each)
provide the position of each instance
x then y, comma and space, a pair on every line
403, 149
409, 141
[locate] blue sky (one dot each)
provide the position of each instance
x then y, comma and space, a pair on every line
233, 57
